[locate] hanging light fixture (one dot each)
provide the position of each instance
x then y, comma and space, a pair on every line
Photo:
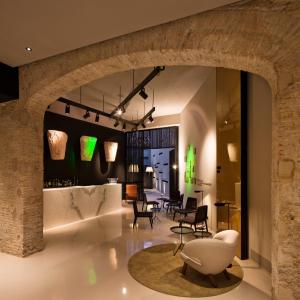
67, 109
116, 123
124, 126
97, 118
120, 111
150, 119
86, 115
143, 93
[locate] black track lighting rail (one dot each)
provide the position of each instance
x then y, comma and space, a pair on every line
96, 111
139, 87
147, 115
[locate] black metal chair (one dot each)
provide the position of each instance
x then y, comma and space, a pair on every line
146, 202
190, 207
141, 214
200, 217
177, 203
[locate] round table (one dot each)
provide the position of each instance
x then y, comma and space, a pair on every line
181, 230
155, 211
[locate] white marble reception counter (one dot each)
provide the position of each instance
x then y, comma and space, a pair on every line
70, 204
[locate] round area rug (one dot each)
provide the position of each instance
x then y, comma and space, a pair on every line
158, 269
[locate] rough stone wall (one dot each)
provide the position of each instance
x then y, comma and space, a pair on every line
21, 173
261, 36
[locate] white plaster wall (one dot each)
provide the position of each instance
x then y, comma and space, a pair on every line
259, 170
198, 127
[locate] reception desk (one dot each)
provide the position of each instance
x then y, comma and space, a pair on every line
66, 205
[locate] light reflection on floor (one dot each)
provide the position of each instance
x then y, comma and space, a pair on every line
88, 260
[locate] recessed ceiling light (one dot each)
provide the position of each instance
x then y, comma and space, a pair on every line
28, 49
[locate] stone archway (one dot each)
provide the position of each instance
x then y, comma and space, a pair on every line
261, 37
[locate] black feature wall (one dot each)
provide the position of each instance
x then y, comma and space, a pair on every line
87, 173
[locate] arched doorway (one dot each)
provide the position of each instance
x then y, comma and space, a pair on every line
249, 36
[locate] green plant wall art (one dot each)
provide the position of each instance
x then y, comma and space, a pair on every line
190, 159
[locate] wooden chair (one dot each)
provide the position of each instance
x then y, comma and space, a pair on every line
199, 217
177, 203
141, 214
190, 207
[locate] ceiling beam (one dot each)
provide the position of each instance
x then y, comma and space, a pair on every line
155, 72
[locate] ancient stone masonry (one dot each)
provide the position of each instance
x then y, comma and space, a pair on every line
261, 36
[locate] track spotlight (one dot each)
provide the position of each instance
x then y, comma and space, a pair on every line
116, 123
87, 114
124, 126
120, 111
143, 94
97, 118
67, 109
150, 119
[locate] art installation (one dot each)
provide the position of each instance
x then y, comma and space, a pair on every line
57, 141
190, 171
87, 147
110, 149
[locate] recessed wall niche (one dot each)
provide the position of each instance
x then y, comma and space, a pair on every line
57, 141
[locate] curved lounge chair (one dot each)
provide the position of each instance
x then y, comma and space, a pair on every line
211, 256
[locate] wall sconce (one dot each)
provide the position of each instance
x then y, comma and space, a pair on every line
149, 169
110, 149
174, 167
233, 152
133, 168
57, 141
87, 147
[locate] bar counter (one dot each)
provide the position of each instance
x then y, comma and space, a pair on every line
69, 204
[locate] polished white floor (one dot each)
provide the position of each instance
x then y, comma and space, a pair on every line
88, 261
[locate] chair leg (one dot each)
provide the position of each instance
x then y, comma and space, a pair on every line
151, 222
226, 274
212, 281
184, 268
206, 226
134, 222
174, 215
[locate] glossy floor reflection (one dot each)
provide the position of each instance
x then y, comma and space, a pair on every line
88, 260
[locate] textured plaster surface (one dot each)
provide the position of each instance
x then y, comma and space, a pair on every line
261, 37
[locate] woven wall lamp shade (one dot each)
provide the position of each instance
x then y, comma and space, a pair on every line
233, 152
57, 141
87, 147
110, 149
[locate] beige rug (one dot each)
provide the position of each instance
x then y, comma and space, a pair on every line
158, 269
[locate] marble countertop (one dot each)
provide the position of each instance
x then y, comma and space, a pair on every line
77, 187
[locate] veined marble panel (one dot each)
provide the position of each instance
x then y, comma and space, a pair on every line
66, 205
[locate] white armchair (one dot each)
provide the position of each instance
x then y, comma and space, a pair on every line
211, 256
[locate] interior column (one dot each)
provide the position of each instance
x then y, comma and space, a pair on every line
21, 179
